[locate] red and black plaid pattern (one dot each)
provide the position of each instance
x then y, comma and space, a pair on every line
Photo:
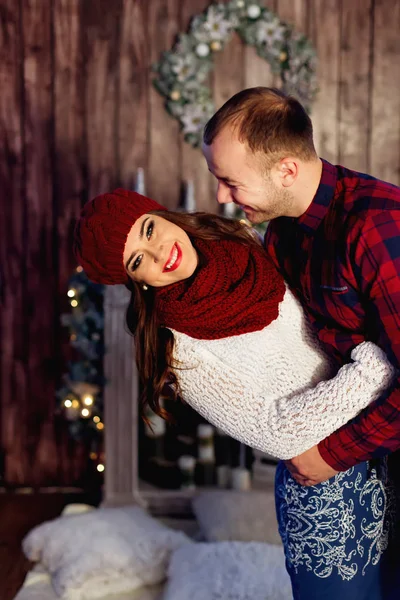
342, 260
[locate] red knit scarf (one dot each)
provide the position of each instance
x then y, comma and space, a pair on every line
237, 290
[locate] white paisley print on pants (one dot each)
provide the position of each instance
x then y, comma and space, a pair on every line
338, 527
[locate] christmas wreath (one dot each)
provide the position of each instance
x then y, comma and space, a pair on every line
183, 71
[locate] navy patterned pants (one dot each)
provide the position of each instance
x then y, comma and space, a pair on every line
337, 535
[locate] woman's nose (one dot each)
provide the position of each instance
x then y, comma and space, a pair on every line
158, 253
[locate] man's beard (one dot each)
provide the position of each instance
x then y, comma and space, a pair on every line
278, 204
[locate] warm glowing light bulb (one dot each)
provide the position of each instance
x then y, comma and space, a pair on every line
74, 303
100, 468
96, 419
100, 426
75, 403
67, 403
88, 400
71, 293
79, 269
85, 412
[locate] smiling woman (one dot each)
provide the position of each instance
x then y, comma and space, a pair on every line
158, 252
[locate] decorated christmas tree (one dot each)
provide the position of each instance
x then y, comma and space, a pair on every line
81, 394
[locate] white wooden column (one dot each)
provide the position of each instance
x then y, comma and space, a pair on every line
120, 402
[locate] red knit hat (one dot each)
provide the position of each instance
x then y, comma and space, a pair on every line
101, 232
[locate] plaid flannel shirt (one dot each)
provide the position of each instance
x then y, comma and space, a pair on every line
341, 258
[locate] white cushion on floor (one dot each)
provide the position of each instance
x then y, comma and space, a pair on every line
230, 515
228, 571
104, 551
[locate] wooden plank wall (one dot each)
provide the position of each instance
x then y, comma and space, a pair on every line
78, 115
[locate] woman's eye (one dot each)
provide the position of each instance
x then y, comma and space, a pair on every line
149, 231
137, 262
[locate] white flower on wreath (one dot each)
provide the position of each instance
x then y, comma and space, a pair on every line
194, 118
270, 32
216, 27
183, 66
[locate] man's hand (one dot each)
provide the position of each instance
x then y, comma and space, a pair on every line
309, 468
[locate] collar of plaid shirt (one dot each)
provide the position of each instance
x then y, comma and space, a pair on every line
314, 215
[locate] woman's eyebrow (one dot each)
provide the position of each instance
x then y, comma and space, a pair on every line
128, 262
142, 227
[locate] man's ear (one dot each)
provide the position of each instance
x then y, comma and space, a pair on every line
287, 169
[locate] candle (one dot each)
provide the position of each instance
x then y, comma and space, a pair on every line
187, 465
222, 459
205, 434
140, 187
229, 210
223, 476
190, 202
241, 479
156, 427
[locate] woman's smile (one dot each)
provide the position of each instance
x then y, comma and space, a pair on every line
174, 259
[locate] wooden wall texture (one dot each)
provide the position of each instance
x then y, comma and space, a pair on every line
78, 115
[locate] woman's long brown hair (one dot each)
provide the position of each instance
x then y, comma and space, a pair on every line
154, 344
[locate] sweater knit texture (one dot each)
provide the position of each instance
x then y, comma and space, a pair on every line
275, 389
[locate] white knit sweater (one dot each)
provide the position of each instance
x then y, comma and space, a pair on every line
273, 389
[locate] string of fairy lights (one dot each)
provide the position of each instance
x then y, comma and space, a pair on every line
80, 396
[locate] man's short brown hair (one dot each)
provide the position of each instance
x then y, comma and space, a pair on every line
268, 121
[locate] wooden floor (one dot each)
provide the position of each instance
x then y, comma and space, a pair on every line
18, 514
